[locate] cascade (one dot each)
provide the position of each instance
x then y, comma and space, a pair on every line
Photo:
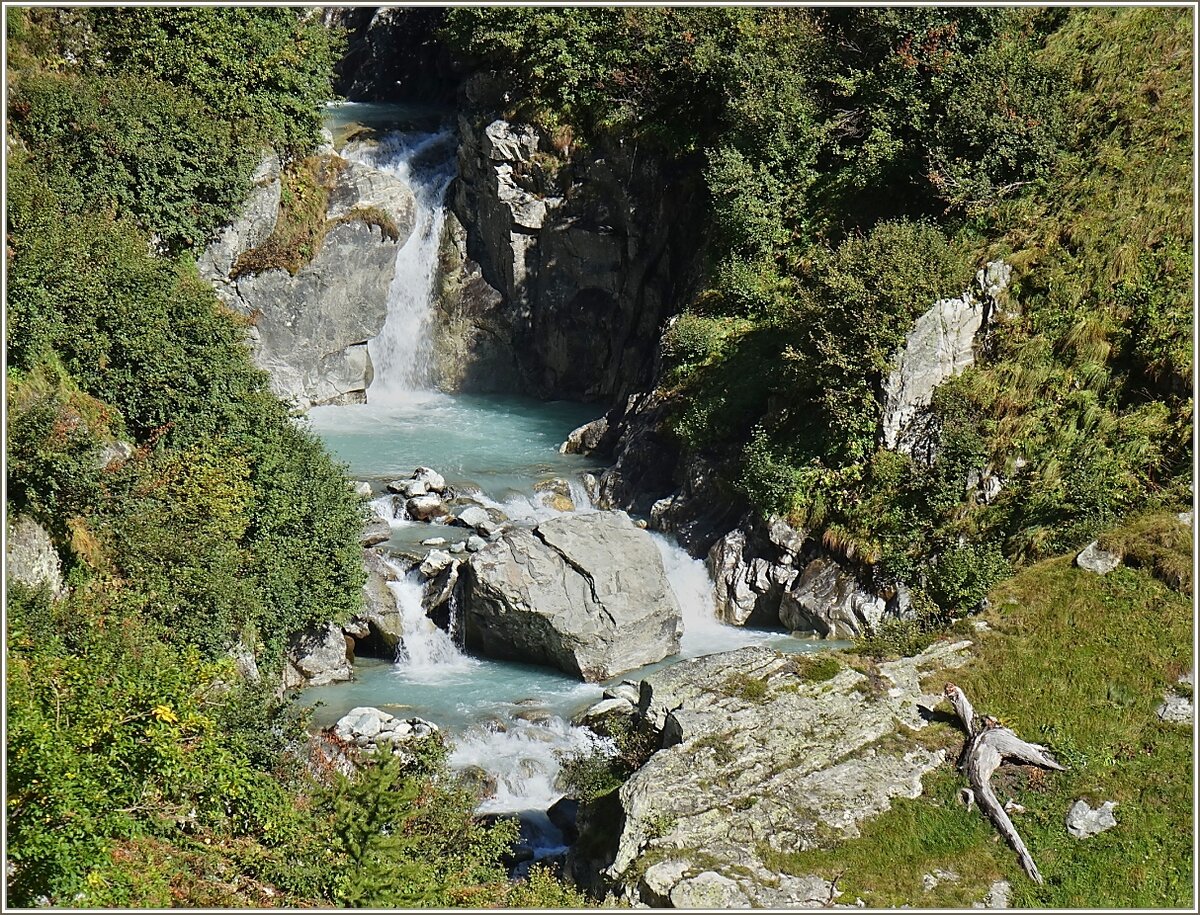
402, 353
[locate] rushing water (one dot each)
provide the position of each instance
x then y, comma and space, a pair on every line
509, 723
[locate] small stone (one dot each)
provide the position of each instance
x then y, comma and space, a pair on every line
1176, 709
360, 488
1094, 559
475, 543
458, 546
434, 541
997, 896
425, 508
435, 563
1185, 518
1084, 822
476, 518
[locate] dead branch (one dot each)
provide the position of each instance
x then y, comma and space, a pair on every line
988, 745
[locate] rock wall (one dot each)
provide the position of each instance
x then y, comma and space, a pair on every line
310, 331
393, 52
566, 263
941, 344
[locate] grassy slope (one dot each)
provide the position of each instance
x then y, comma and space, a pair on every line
1079, 662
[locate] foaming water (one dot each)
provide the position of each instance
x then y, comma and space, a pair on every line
425, 653
402, 353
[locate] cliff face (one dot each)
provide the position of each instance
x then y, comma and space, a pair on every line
564, 265
310, 329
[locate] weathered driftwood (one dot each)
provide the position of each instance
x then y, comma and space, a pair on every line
988, 745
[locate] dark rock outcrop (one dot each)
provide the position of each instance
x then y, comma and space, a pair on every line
583, 255
393, 52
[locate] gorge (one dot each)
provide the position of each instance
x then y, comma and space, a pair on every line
570, 469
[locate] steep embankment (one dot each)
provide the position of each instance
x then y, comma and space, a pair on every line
938, 322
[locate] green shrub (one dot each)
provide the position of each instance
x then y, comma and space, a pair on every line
963, 575
130, 144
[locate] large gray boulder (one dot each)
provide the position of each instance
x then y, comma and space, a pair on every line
584, 593
310, 331
940, 345
30, 557
830, 600
317, 656
799, 760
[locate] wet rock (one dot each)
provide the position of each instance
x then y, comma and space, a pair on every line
477, 519
459, 546
1094, 559
1083, 821
749, 585
475, 543
425, 508
587, 439
563, 814
434, 541
30, 557
310, 329
434, 563
584, 593
375, 530
380, 620
701, 510
478, 781
556, 494
830, 600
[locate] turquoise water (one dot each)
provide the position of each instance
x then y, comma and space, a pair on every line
500, 445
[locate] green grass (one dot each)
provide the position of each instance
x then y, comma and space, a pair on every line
743, 686
1079, 662
301, 226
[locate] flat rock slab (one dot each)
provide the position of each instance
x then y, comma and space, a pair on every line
759, 757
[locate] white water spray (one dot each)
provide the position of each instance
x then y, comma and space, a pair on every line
425, 652
402, 353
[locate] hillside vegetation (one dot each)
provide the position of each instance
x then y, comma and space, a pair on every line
863, 163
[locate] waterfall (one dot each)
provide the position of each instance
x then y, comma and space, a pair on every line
402, 354
425, 652
703, 633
